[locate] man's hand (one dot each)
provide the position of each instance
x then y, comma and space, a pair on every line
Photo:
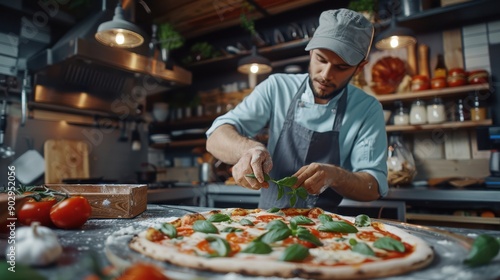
256, 160
315, 177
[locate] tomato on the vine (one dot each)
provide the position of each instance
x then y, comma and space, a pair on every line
39, 211
71, 212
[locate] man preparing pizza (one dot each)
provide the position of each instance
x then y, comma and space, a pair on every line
327, 133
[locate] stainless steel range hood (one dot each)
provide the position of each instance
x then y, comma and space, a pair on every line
77, 63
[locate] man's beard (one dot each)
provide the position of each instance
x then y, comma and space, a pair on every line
333, 93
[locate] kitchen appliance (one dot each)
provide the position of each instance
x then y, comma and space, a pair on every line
80, 73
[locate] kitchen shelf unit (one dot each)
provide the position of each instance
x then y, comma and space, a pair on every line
446, 125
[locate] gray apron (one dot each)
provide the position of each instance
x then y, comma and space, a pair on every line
298, 146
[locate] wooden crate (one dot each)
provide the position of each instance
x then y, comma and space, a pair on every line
109, 200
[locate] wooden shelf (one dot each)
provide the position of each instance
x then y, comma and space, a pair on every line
426, 94
451, 218
180, 144
448, 125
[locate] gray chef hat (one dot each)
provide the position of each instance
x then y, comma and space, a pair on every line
346, 33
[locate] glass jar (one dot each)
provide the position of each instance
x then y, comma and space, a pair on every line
436, 112
400, 163
418, 112
478, 110
401, 114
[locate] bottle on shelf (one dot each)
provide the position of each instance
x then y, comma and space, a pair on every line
436, 112
440, 70
401, 166
400, 114
461, 112
478, 111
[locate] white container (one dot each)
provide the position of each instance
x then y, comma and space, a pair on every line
160, 111
401, 119
418, 112
436, 111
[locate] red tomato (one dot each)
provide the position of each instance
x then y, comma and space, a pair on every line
139, 271
39, 211
71, 212
438, 83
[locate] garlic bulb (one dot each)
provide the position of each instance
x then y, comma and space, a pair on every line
37, 245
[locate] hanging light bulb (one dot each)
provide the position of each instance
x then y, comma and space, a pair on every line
119, 32
395, 37
254, 68
119, 39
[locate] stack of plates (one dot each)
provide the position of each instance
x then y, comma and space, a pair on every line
160, 138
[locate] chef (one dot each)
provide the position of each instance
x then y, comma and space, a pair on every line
326, 132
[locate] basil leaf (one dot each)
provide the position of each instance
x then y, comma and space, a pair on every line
246, 222
389, 244
220, 245
231, 229
302, 220
216, 218
169, 230
257, 247
287, 181
276, 224
484, 249
362, 221
338, 226
353, 241
275, 235
281, 192
293, 200
295, 252
205, 227
266, 176
324, 218
301, 192
273, 210
363, 248
306, 235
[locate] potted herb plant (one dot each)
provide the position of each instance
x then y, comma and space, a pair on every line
169, 39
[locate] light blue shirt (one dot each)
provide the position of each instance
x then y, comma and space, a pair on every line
363, 140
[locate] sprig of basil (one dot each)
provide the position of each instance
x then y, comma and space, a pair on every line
169, 230
276, 224
294, 253
273, 210
257, 247
246, 222
217, 218
288, 182
204, 226
338, 226
389, 244
301, 220
484, 249
363, 248
362, 221
304, 234
220, 245
275, 235
231, 229
324, 218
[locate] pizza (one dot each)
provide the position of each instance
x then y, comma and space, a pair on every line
288, 242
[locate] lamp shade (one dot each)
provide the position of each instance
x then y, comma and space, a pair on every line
254, 63
395, 37
119, 32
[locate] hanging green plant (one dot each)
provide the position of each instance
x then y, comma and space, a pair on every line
169, 38
247, 22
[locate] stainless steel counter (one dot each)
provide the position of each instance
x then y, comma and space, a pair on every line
95, 235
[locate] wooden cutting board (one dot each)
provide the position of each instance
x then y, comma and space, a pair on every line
65, 159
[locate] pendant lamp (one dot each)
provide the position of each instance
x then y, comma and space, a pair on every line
395, 37
253, 65
119, 32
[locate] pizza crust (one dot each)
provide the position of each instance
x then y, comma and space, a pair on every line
264, 266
